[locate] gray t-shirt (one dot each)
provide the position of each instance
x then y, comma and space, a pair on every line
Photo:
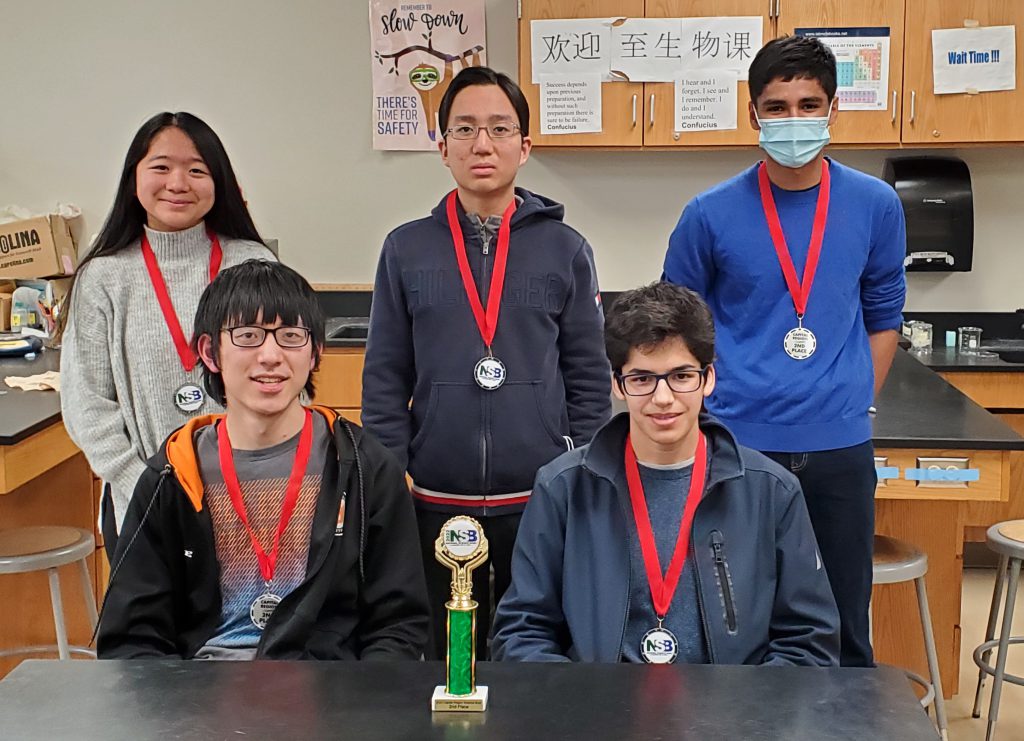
263, 477
666, 491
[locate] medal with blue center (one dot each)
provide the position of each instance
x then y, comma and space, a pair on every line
262, 608
489, 372
799, 342
659, 644
189, 397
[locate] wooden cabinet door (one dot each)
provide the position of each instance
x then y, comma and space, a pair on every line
959, 117
659, 97
857, 127
620, 101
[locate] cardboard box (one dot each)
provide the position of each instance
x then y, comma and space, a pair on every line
37, 248
5, 312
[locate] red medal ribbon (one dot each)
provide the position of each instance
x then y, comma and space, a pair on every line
663, 588
487, 322
188, 358
267, 561
799, 291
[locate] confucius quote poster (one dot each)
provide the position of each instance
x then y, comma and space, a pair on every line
416, 49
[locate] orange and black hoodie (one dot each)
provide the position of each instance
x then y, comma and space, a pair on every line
364, 595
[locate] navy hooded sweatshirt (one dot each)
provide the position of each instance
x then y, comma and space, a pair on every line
468, 449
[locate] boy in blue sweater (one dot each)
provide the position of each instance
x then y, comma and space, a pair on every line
801, 261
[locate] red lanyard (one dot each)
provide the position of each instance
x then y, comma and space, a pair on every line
487, 322
188, 358
268, 562
663, 588
799, 292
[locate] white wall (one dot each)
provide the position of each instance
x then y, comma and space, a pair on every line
287, 87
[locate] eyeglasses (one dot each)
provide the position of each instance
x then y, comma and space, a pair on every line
289, 337
495, 131
680, 381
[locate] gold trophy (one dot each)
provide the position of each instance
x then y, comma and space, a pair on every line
461, 547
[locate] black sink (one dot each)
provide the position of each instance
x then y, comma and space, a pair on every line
349, 332
1009, 351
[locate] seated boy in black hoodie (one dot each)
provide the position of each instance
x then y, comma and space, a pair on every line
277, 530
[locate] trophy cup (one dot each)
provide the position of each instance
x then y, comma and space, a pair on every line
461, 547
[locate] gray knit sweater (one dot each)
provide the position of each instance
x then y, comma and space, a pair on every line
119, 368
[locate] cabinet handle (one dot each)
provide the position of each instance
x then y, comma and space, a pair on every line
634, 110
778, 8
652, 109
893, 106
913, 105
771, 8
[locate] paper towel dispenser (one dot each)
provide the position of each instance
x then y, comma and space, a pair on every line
939, 208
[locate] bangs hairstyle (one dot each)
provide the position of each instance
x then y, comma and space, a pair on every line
793, 57
229, 217
253, 293
648, 316
485, 76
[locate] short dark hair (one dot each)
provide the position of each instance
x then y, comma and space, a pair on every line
648, 316
793, 57
256, 290
485, 76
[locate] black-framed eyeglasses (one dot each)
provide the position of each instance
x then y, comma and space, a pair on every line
464, 131
682, 381
290, 337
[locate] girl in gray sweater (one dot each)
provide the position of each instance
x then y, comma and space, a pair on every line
128, 377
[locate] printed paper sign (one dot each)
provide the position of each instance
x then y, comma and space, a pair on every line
706, 101
721, 43
573, 48
974, 60
862, 65
416, 49
648, 49
570, 105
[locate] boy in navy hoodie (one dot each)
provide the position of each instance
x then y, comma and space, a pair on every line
485, 358
801, 261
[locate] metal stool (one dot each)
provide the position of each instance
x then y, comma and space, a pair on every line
1006, 539
28, 549
897, 561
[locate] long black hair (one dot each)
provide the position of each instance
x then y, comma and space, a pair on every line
228, 217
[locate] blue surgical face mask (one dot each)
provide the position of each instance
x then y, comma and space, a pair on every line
793, 142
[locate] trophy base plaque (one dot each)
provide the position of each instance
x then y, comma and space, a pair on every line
442, 702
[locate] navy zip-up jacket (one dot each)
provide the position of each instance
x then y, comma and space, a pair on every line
461, 442
764, 596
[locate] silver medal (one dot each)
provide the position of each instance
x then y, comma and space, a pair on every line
189, 398
800, 343
659, 646
262, 608
489, 373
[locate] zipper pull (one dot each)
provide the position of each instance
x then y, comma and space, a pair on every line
716, 545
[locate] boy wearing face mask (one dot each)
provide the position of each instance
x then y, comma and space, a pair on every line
801, 262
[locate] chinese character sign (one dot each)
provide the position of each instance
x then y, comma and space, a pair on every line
647, 49
416, 49
721, 43
570, 47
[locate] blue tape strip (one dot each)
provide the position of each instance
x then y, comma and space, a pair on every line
942, 474
887, 472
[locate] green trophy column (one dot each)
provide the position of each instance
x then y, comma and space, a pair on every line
461, 650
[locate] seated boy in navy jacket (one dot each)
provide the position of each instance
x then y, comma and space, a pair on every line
663, 539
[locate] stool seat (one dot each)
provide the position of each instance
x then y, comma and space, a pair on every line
27, 549
1007, 538
896, 561
44, 548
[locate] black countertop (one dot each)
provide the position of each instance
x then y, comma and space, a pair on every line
948, 360
24, 413
918, 409
138, 700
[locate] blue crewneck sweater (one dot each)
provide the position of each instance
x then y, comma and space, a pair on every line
722, 249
